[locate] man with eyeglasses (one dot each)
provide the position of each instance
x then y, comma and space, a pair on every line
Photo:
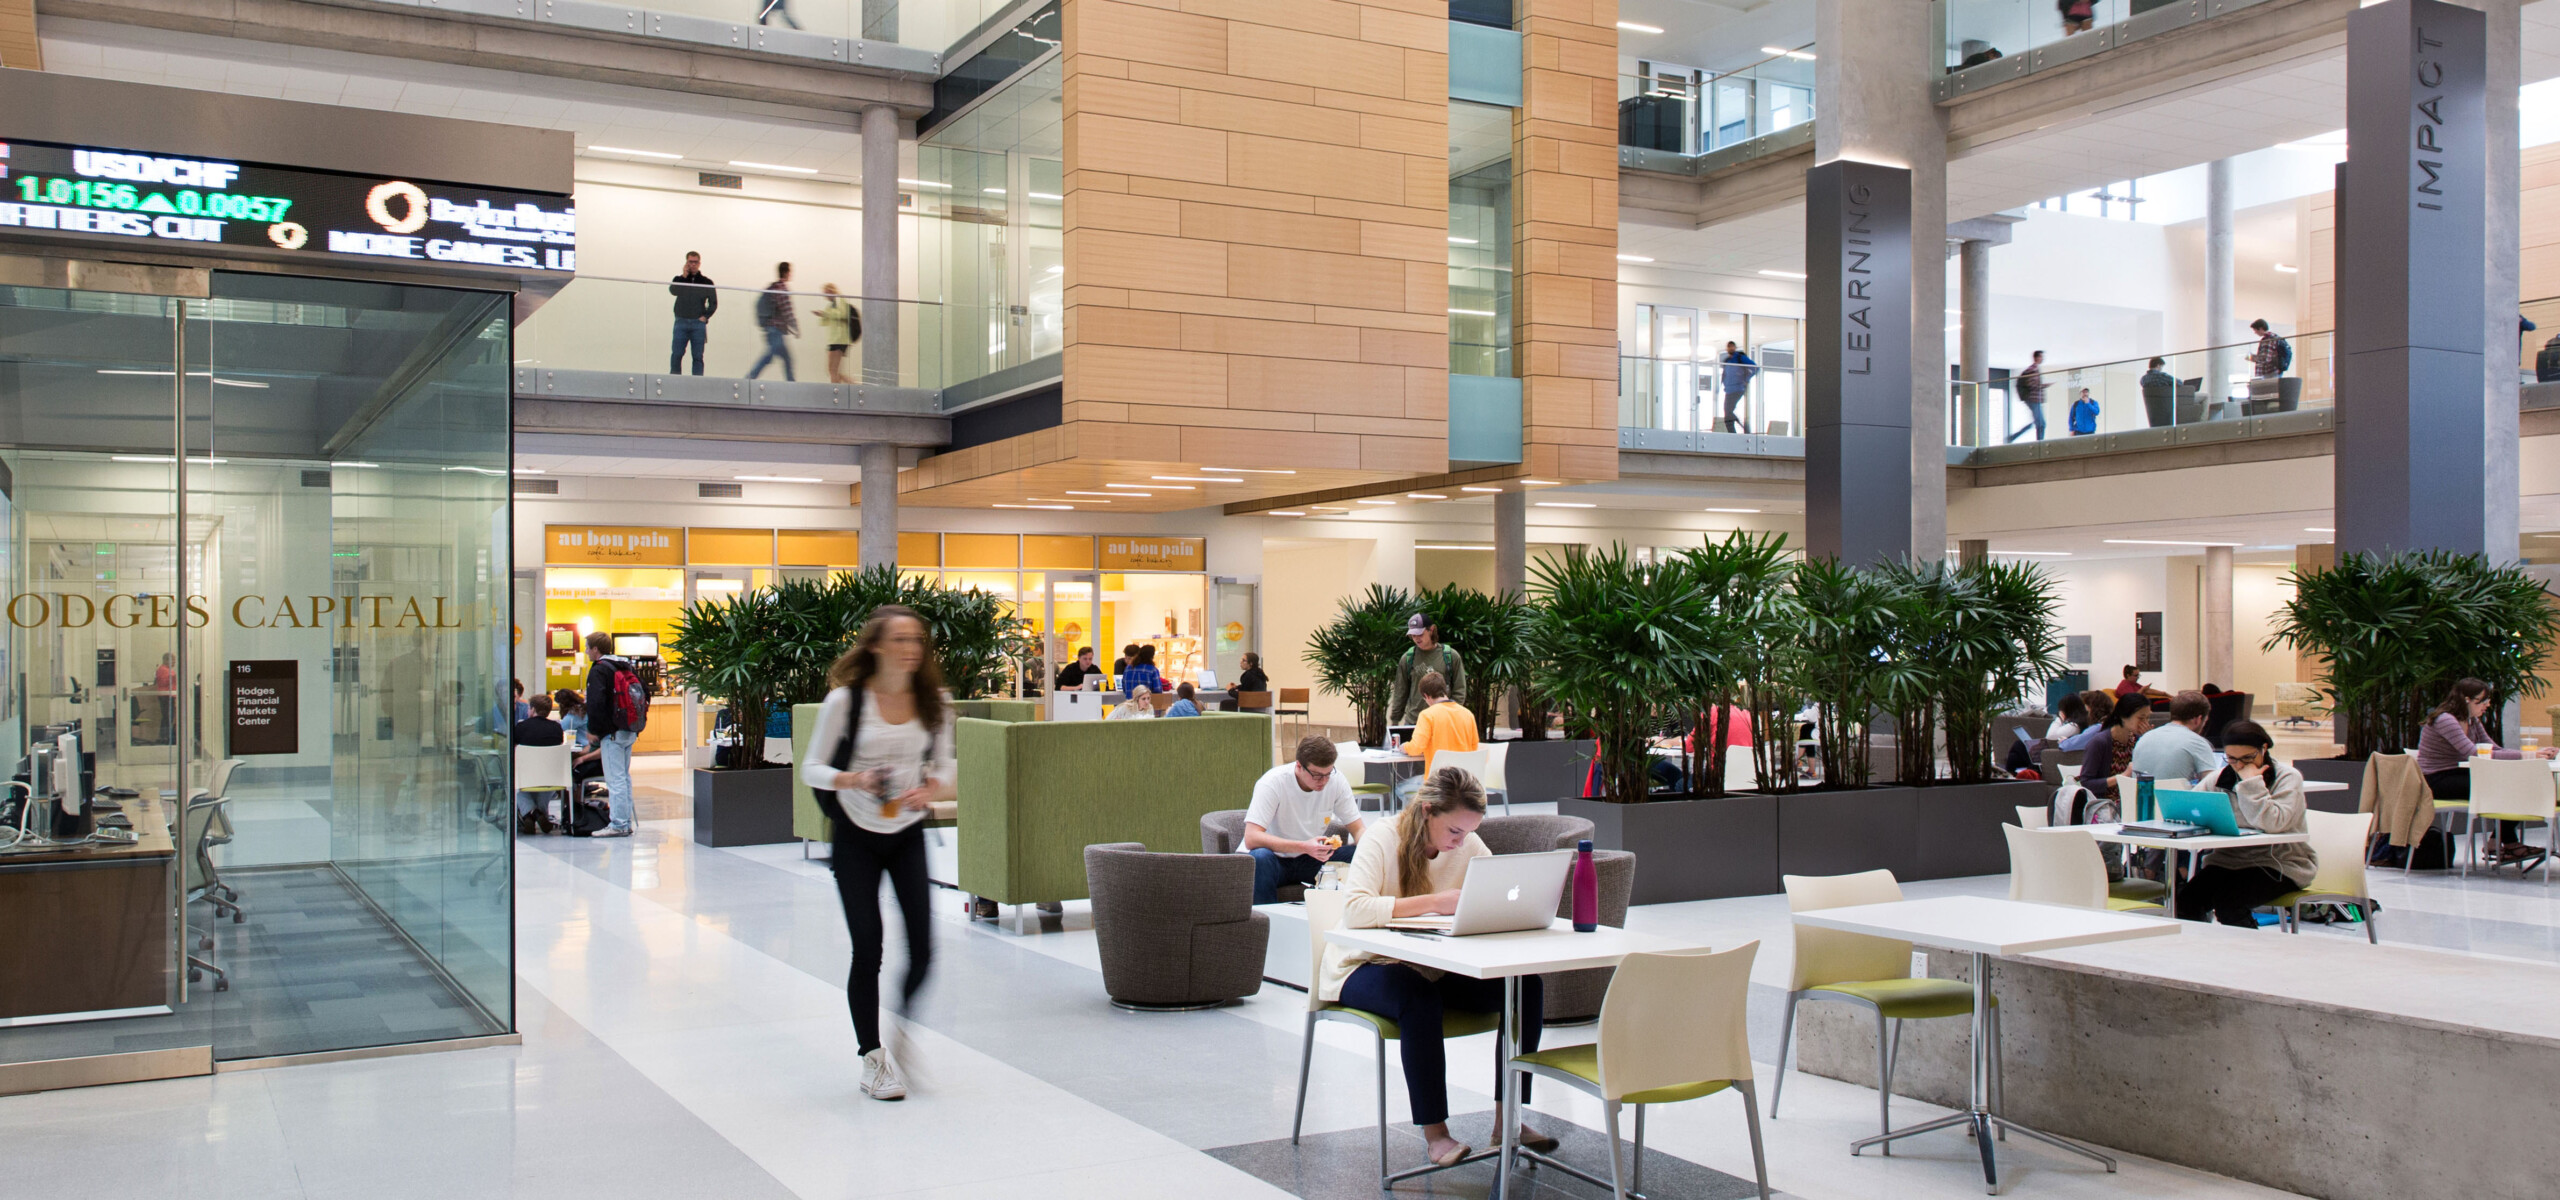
1302, 816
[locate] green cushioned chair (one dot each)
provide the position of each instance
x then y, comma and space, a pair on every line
1036, 793
1872, 972
1324, 912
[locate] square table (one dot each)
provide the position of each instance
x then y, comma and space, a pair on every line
1984, 927
1507, 957
2114, 832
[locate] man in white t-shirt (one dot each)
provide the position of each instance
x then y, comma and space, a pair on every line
1285, 826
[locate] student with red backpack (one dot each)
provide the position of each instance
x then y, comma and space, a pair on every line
617, 710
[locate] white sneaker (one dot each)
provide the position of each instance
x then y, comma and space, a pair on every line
880, 1078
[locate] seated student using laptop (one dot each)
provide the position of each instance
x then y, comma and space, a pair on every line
2266, 796
1414, 865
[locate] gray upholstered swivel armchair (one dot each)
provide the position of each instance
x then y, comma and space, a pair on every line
1221, 832
1177, 931
1531, 833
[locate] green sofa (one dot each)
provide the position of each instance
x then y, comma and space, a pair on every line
809, 825
1039, 792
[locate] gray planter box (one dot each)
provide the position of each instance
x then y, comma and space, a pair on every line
1947, 831
742, 808
2333, 770
1689, 849
1550, 769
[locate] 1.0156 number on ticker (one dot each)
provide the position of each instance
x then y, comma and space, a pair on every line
87, 193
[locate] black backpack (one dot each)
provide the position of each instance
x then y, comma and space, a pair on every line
842, 760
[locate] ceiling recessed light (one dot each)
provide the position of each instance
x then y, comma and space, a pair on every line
1447, 546
1733, 510
757, 166
1455, 240
364, 466
2034, 553
1252, 470
1287, 512
144, 458
1379, 503
1192, 479
2316, 529
1044, 195
1053, 500
626, 150
1055, 507
1633, 258
1470, 312
2288, 268
1565, 504
992, 191
1155, 487
922, 183
1539, 482
531, 471
1073, 492
1632, 27
1424, 496
1480, 489
777, 479
1784, 274
2151, 542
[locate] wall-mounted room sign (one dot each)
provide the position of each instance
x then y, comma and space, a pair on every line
265, 700
2147, 633
613, 546
85, 193
1153, 553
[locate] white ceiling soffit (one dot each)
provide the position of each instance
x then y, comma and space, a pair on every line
682, 458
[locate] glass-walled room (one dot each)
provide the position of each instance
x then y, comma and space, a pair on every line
996, 259
255, 695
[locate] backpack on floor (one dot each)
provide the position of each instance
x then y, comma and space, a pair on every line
2434, 852
587, 818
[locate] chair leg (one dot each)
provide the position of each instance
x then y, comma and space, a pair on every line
1786, 1044
2364, 912
1884, 1081
1635, 1174
1382, 1111
1617, 1183
1306, 1059
1751, 1119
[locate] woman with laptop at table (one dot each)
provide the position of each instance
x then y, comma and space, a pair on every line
2266, 796
1414, 866
2454, 733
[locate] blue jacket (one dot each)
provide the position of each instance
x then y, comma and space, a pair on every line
1738, 370
1183, 708
1138, 673
2084, 416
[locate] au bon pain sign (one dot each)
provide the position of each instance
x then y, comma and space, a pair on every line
74, 610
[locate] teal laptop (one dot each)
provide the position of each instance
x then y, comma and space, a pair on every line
2212, 810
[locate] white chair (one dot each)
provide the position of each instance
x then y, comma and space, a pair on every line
2062, 866
2510, 789
2032, 817
2340, 840
1672, 1029
545, 769
1474, 762
1496, 776
1740, 775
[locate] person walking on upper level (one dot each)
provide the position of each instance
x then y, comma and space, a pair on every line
2273, 354
696, 300
843, 325
779, 321
766, 10
2078, 16
1738, 370
2030, 384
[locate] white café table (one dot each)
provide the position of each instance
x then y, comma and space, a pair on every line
1507, 957
1984, 927
2114, 832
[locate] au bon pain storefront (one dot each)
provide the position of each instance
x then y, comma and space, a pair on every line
254, 453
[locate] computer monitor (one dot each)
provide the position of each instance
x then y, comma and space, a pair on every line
635, 645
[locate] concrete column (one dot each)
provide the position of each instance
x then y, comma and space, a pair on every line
1874, 74
880, 245
1973, 552
2500, 483
1973, 302
2221, 325
879, 546
1511, 542
2217, 616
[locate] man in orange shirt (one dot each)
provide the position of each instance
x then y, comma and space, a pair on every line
1443, 724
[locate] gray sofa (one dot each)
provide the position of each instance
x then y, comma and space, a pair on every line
1176, 930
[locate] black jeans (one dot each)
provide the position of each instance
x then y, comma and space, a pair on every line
861, 857
2230, 894
1401, 994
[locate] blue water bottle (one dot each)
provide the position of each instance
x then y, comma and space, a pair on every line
2142, 791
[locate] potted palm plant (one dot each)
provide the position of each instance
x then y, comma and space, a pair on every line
1355, 655
726, 651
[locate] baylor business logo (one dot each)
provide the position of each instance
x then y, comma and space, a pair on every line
33, 610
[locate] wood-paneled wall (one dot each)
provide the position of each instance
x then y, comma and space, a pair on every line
1564, 175
18, 47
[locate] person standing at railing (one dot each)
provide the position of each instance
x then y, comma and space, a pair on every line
1738, 370
844, 327
2084, 415
696, 300
2030, 383
780, 321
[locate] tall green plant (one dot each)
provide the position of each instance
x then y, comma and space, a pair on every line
1491, 635
2397, 631
1625, 644
1926, 603
2003, 643
725, 649
1355, 654
1742, 580
1841, 662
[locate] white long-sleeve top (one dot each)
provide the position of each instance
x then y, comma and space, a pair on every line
1375, 889
907, 753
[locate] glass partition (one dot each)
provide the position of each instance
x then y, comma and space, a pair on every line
1479, 239
936, 25
1683, 110
1680, 379
2187, 387
282, 652
996, 259
599, 323
1979, 31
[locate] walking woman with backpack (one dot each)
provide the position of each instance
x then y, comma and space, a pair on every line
879, 759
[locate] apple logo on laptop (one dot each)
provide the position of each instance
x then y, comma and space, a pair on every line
1514, 894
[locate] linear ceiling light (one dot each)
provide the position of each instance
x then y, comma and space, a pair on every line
919, 183
1155, 487
2152, 542
2316, 529
769, 478
1191, 479
1733, 510
1632, 27
1798, 55
1424, 496
1286, 512
1472, 488
757, 166
1633, 258
1565, 504
1784, 274
1446, 546
1055, 507
1252, 470
1073, 492
2034, 553
1378, 503
627, 150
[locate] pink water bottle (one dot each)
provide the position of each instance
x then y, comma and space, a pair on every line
1586, 889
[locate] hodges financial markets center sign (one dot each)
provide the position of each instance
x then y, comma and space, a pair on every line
114, 196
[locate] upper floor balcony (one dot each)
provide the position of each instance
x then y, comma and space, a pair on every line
1690, 121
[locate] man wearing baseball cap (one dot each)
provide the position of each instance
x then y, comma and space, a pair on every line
1404, 701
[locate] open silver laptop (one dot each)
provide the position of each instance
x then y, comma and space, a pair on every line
1503, 893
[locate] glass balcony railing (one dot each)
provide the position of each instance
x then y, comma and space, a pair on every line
2190, 387
934, 25
1687, 396
1678, 110
1980, 31
629, 325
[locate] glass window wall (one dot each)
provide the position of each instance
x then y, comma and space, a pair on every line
1479, 239
996, 259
